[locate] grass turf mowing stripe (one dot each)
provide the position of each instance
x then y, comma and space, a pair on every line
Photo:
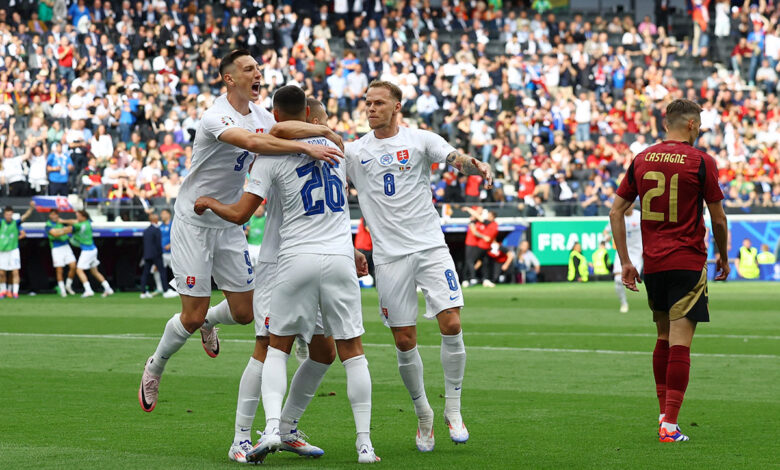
427, 346
609, 335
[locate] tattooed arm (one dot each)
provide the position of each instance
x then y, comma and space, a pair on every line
471, 166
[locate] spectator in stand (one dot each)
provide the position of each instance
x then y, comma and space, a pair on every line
59, 166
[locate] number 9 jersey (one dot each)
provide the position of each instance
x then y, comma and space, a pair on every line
219, 169
673, 181
311, 193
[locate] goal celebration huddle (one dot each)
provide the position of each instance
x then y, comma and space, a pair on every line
302, 285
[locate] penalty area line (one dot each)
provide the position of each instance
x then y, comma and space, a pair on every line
385, 345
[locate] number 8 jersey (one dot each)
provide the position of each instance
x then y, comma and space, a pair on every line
219, 169
311, 194
393, 180
673, 181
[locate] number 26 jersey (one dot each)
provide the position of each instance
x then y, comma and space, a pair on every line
673, 181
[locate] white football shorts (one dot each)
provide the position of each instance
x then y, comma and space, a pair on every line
167, 260
10, 260
88, 259
254, 253
396, 283
636, 259
198, 253
306, 281
62, 256
265, 278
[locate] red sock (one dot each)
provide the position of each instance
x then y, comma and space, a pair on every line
660, 362
676, 380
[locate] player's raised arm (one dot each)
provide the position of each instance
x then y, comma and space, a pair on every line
267, 144
471, 166
238, 213
720, 231
618, 223
301, 130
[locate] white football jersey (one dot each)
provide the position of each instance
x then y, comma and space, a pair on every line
219, 169
269, 249
312, 196
633, 234
393, 180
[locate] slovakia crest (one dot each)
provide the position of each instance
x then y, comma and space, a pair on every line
190, 281
403, 156
386, 159
267, 321
384, 312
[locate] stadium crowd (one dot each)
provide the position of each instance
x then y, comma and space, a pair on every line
102, 99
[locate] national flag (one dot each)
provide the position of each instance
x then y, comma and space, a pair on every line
47, 203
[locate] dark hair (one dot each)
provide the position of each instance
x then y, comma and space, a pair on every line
680, 110
395, 92
8, 208
231, 57
85, 215
290, 100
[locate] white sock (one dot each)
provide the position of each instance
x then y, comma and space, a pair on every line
217, 314
274, 385
453, 360
157, 281
173, 338
2, 287
106, 286
87, 288
303, 386
248, 398
620, 290
671, 427
359, 394
15, 288
68, 283
61, 285
411, 368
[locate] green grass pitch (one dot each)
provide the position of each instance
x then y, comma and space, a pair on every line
555, 378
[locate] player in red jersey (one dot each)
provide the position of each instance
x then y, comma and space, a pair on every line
673, 180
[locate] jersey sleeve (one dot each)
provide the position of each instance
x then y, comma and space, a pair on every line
628, 189
712, 191
217, 123
260, 178
436, 148
350, 154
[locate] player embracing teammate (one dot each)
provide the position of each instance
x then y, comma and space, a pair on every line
674, 181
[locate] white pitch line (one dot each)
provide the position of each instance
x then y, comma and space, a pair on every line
617, 335
424, 346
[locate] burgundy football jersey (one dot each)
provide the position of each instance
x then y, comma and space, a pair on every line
673, 181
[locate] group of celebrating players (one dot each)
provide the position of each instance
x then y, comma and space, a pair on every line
304, 281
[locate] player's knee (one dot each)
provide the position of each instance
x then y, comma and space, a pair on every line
405, 339
449, 321
243, 316
324, 354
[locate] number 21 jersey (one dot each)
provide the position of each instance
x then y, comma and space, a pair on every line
219, 169
673, 181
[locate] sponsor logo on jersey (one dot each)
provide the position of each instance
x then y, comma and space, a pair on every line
228, 121
190, 281
386, 159
403, 156
384, 311
267, 322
